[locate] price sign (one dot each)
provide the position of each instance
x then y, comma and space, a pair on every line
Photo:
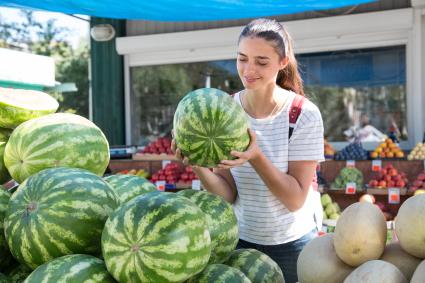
350, 188
394, 195
165, 163
160, 185
351, 163
376, 165
196, 185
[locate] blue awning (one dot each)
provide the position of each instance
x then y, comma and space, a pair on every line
183, 10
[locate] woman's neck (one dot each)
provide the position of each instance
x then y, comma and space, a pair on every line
263, 103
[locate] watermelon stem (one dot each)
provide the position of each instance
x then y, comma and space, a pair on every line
135, 248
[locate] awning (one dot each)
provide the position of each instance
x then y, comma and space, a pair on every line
183, 10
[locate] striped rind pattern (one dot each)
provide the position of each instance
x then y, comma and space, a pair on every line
4, 174
221, 220
15, 109
257, 266
19, 273
128, 187
156, 237
208, 124
76, 268
220, 273
58, 211
4, 200
56, 140
5, 256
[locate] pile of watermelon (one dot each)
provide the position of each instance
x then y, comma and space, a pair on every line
66, 222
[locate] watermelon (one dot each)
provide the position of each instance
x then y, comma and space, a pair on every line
5, 134
129, 186
19, 105
220, 273
257, 266
4, 174
56, 140
6, 259
71, 269
221, 220
58, 211
208, 124
156, 237
19, 273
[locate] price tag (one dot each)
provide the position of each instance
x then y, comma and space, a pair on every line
394, 195
160, 185
165, 163
196, 185
351, 163
350, 188
376, 165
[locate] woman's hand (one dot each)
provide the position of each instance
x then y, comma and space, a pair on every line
252, 152
178, 153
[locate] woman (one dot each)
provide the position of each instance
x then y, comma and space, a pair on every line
269, 183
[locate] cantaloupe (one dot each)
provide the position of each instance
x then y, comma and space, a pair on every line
405, 262
419, 274
376, 271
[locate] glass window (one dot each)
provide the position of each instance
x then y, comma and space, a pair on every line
352, 88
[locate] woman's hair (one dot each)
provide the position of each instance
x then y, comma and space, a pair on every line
272, 31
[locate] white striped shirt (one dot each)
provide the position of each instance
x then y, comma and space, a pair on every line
262, 218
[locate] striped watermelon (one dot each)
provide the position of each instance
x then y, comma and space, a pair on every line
56, 212
4, 174
128, 187
19, 105
6, 259
19, 274
221, 220
257, 266
208, 124
220, 273
76, 268
5, 134
56, 140
156, 237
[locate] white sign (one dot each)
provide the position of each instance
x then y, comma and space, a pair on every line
196, 185
160, 185
165, 163
350, 188
376, 165
351, 163
394, 195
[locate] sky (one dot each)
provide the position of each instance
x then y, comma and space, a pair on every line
78, 28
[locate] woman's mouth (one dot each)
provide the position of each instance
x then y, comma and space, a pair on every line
250, 79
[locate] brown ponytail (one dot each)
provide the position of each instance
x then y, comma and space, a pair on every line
270, 30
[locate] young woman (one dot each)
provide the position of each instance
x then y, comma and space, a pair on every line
269, 183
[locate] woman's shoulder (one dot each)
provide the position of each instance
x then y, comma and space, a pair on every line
310, 109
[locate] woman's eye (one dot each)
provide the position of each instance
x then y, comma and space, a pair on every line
242, 60
262, 63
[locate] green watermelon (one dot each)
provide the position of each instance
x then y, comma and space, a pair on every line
76, 268
257, 266
128, 187
56, 140
58, 211
208, 124
5, 134
156, 237
221, 220
6, 259
220, 273
19, 273
4, 279
19, 105
4, 174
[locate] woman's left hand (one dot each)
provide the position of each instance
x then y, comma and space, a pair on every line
250, 153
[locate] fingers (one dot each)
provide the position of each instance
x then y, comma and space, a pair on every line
252, 135
173, 146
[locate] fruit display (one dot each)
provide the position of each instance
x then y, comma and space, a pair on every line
329, 150
208, 124
151, 253
128, 187
405, 262
161, 145
387, 149
376, 271
221, 221
54, 140
4, 174
220, 273
353, 151
419, 275
417, 153
172, 174
331, 210
6, 259
419, 183
19, 273
55, 212
348, 175
388, 177
136, 172
77, 267
18, 106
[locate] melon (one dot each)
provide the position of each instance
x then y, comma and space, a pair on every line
376, 271
405, 262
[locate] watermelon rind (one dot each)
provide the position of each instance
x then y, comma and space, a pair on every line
128, 187
220, 273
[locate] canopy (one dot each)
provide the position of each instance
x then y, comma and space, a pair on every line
183, 10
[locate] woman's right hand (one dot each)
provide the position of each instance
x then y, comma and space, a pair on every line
178, 153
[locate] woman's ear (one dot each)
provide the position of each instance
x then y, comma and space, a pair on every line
284, 62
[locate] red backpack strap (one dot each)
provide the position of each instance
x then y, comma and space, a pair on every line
295, 111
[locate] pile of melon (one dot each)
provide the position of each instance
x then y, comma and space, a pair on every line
358, 252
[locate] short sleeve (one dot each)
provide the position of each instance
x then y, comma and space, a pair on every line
306, 142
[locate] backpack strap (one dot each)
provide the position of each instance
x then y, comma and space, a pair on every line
295, 111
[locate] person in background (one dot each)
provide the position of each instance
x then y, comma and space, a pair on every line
269, 184
365, 133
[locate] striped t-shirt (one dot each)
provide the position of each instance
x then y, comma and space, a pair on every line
262, 218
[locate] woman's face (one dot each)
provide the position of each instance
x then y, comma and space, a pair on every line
258, 63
